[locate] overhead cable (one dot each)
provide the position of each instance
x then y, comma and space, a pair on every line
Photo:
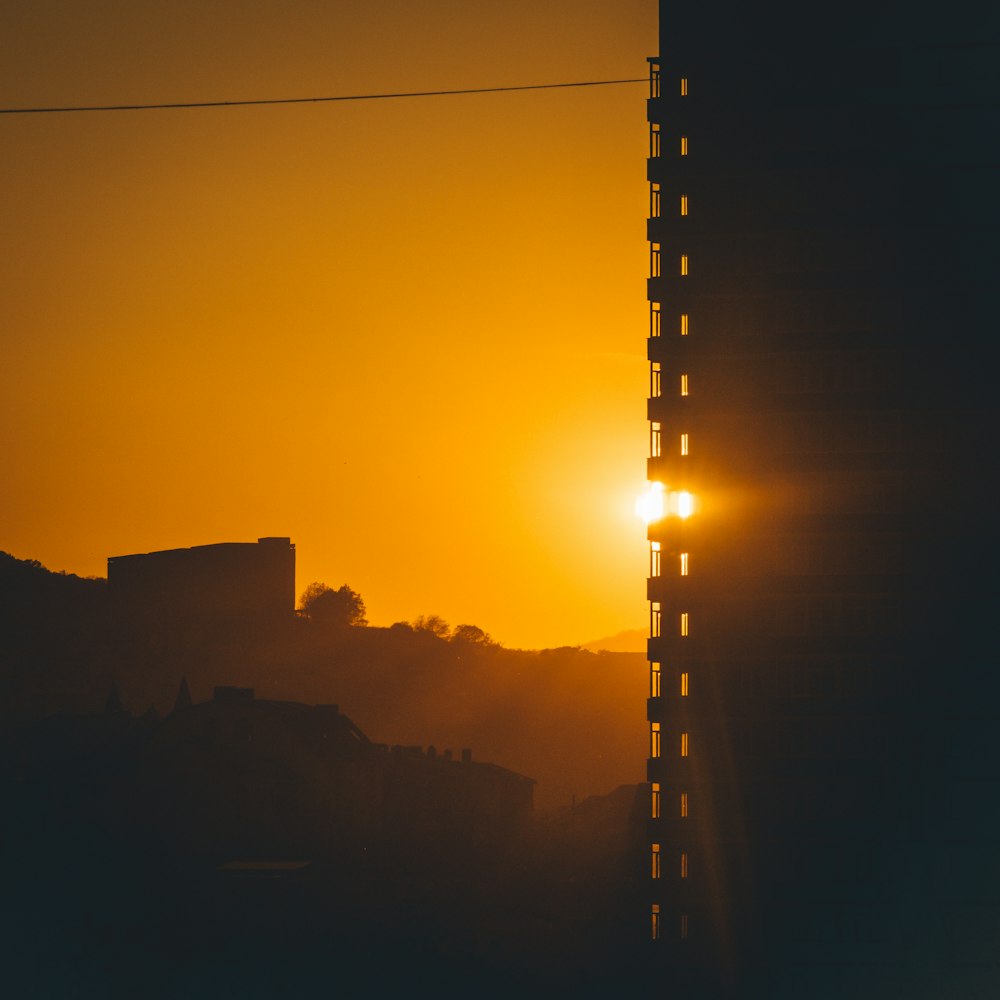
313, 100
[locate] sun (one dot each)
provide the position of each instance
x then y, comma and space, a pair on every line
650, 506
658, 502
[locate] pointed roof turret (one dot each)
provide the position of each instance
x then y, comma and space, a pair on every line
113, 706
183, 697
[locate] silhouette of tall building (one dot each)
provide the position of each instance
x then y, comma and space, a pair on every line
823, 768
226, 583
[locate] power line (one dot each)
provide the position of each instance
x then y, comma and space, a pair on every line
314, 100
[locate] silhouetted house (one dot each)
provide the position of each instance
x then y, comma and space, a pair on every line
231, 583
81, 763
241, 777
823, 706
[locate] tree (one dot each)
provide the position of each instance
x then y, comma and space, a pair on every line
341, 607
473, 635
434, 624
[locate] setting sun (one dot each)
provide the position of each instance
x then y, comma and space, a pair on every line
250, 248
650, 506
657, 503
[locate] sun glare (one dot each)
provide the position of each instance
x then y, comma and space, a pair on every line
651, 506
657, 503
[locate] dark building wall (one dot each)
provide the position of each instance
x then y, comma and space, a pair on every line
227, 582
841, 220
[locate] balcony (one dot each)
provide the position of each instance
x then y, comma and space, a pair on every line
670, 469
673, 288
666, 409
667, 588
656, 648
658, 770
657, 110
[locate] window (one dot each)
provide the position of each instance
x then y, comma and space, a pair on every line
685, 623
684, 805
654, 201
684, 145
655, 386
655, 913
654, 140
655, 620
655, 797
655, 438
684, 564
684, 86
684, 744
684, 864
655, 859
684, 324
654, 680
684, 444
685, 684
684, 204
654, 260
654, 740
684, 264
654, 319
684, 926
684, 385
654, 559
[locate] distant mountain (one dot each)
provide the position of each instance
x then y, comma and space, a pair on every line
630, 641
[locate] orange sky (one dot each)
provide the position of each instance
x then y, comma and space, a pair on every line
409, 334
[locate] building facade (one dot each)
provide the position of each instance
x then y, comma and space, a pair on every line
230, 583
824, 788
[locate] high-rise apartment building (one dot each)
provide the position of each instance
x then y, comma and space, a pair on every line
824, 722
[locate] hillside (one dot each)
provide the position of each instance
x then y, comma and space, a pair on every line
568, 717
54, 642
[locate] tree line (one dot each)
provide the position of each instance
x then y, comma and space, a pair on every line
343, 607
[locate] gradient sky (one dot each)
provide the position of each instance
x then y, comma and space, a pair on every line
409, 334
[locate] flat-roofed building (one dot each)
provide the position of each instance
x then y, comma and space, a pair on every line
230, 582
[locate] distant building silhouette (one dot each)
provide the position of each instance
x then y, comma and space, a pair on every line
242, 777
230, 582
238, 777
823, 768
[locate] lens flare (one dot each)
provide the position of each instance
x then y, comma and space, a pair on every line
657, 503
